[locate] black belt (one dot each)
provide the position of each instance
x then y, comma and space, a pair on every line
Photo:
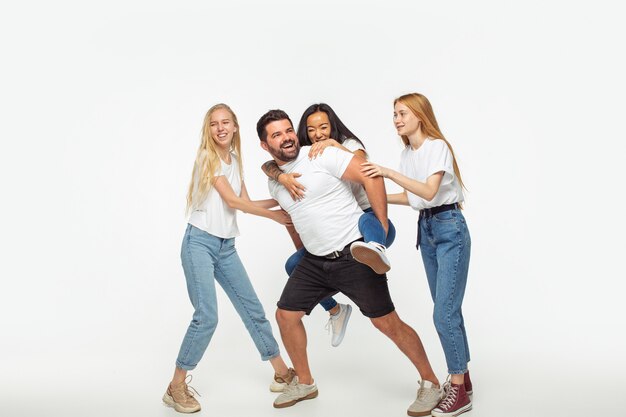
339, 253
429, 212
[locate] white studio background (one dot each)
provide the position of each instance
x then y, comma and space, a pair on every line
102, 105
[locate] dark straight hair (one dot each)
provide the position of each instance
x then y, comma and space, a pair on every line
338, 130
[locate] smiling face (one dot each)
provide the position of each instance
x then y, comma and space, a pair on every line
222, 129
282, 142
318, 126
406, 122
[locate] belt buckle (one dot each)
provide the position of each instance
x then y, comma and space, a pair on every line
333, 255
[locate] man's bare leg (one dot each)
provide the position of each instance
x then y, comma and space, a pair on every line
409, 343
294, 338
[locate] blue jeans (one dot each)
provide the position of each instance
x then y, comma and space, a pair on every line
445, 245
206, 259
372, 231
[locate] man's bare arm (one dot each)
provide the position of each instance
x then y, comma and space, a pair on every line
270, 168
374, 188
296, 190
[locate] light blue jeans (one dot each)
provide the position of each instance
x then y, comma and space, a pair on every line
206, 259
445, 245
372, 231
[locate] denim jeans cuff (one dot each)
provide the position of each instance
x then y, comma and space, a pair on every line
185, 367
271, 356
454, 372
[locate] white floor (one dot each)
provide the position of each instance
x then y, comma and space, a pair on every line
102, 105
365, 376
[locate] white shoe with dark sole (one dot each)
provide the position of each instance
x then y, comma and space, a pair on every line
371, 254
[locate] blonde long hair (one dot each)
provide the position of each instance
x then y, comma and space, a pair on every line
208, 160
420, 106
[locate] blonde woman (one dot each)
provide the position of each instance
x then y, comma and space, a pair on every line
208, 255
432, 185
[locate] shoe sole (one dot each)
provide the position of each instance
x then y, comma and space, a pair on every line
456, 413
417, 414
344, 327
169, 402
370, 258
292, 402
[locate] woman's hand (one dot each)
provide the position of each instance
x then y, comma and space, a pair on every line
296, 190
318, 147
281, 216
370, 169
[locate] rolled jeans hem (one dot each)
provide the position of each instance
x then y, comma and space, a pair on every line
185, 367
268, 357
451, 372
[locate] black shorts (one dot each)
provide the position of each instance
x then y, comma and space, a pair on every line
316, 278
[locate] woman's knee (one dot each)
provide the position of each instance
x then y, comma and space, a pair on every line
293, 261
205, 320
439, 316
290, 265
444, 317
391, 235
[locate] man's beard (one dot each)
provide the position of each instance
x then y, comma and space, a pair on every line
285, 154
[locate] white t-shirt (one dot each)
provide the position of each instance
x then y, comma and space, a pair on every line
357, 189
214, 216
327, 218
432, 157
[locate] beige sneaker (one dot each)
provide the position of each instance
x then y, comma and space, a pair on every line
280, 382
181, 398
296, 392
428, 397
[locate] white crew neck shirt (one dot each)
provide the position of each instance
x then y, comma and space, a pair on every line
214, 216
419, 164
327, 218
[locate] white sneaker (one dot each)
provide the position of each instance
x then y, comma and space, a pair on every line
371, 254
338, 323
295, 392
428, 396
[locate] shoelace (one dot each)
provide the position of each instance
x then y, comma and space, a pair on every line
424, 393
447, 384
331, 321
187, 388
329, 324
292, 386
450, 398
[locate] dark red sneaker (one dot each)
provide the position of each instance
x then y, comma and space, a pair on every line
455, 402
468, 383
